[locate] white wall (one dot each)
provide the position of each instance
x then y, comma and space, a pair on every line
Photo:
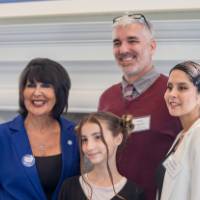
82, 43
60, 7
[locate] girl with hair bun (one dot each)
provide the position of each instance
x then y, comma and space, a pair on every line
100, 135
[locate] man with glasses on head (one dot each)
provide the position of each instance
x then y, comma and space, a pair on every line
140, 93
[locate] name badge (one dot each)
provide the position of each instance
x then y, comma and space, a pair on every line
141, 123
172, 166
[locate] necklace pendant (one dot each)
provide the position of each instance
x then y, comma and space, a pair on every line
42, 149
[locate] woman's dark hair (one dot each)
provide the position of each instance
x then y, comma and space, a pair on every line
114, 124
192, 69
46, 71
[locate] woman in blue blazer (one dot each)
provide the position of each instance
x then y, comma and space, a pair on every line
178, 177
39, 148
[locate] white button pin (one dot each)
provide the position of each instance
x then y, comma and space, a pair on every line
28, 160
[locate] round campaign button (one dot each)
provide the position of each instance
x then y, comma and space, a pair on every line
69, 142
28, 160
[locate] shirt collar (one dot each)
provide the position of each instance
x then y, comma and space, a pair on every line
142, 84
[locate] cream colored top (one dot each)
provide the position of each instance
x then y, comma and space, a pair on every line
99, 193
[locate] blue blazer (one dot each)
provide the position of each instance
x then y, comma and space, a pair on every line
19, 178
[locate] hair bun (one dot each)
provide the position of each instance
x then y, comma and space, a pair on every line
127, 122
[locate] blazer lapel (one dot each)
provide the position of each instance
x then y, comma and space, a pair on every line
67, 146
67, 143
26, 159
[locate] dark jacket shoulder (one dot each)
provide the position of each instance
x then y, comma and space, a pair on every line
71, 190
131, 191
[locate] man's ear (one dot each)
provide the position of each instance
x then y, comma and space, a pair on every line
153, 46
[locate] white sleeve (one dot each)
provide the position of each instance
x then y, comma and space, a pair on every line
195, 165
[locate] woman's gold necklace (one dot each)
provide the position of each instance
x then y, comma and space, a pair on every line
42, 148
